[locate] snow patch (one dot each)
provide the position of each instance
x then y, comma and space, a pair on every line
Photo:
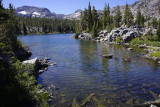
36, 13
77, 14
23, 12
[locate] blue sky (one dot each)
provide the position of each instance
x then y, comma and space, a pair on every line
66, 6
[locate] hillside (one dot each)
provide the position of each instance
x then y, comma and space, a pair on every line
148, 8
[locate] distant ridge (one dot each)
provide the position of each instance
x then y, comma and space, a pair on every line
148, 8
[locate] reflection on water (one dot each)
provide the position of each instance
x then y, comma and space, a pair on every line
83, 77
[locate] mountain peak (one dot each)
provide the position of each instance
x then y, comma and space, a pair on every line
148, 8
33, 11
78, 10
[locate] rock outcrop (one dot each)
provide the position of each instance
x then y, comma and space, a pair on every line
40, 65
125, 34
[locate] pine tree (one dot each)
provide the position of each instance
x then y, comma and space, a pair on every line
89, 17
3, 15
94, 30
138, 17
94, 15
154, 22
24, 29
85, 16
158, 30
108, 16
142, 20
118, 17
128, 17
104, 16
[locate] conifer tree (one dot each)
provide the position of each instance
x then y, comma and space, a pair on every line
94, 15
94, 30
158, 30
85, 16
142, 20
24, 29
128, 17
104, 16
108, 16
118, 17
89, 17
154, 22
138, 17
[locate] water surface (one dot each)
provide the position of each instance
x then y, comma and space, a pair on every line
81, 71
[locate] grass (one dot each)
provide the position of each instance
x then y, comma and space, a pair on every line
144, 40
156, 54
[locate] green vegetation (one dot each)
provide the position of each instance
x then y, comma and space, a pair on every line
128, 17
17, 84
139, 18
118, 17
104, 16
91, 21
149, 39
156, 54
29, 25
144, 40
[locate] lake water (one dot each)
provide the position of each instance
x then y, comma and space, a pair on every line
83, 75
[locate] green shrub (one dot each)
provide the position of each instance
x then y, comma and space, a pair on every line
76, 35
156, 54
143, 40
25, 79
118, 39
2, 46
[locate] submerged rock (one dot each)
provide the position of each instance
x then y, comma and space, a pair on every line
130, 49
88, 99
47, 58
153, 105
108, 56
141, 46
40, 71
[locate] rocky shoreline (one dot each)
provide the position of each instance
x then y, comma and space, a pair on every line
40, 65
122, 36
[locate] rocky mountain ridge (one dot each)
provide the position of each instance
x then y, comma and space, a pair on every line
32, 11
148, 8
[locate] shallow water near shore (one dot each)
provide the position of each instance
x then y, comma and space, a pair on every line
84, 77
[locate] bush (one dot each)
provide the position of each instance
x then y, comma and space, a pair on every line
76, 35
23, 74
118, 39
156, 54
143, 40
18, 87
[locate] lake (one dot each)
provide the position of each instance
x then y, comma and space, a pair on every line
84, 77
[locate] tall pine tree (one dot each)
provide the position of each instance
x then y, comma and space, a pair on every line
89, 17
108, 16
118, 17
158, 30
94, 15
138, 17
104, 16
128, 17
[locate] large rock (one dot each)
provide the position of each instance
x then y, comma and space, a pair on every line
86, 36
32, 61
129, 36
114, 36
123, 32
